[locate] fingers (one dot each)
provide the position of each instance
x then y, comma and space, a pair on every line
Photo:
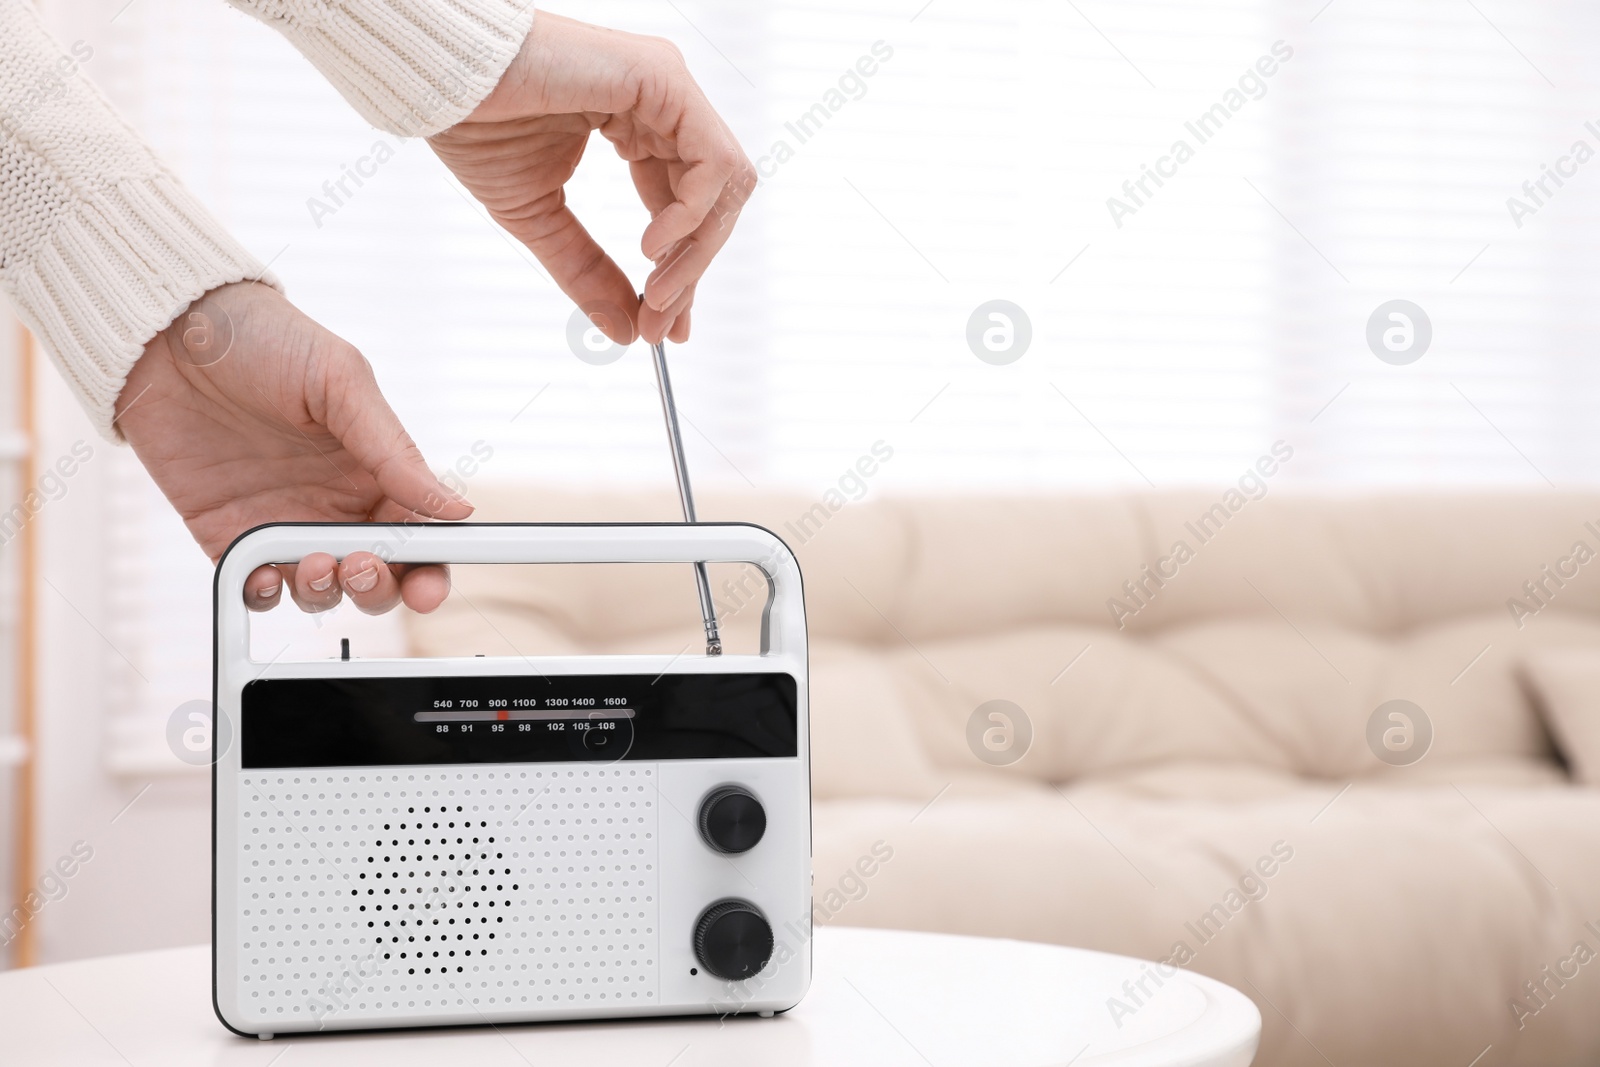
671, 322
583, 270
681, 266
370, 431
319, 583
680, 328
262, 588
314, 583
423, 588
370, 583
376, 587
712, 161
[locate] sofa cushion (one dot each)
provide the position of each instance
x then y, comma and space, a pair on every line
1094, 700
862, 739
1567, 682
1384, 563
1247, 691
981, 564
1310, 687
1392, 925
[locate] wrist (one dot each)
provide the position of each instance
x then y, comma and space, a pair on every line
141, 386
565, 66
199, 336
508, 97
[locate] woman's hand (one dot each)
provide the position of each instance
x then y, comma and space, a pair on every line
517, 150
245, 411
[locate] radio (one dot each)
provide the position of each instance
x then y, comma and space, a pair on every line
430, 842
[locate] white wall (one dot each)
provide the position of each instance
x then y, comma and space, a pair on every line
148, 882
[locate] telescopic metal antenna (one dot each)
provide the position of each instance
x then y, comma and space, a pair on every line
669, 409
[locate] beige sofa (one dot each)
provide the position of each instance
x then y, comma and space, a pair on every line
1199, 785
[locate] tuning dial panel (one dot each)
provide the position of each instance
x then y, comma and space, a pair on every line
733, 940
732, 820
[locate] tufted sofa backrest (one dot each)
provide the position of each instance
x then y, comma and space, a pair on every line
1133, 630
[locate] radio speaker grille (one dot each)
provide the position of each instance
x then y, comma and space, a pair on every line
370, 896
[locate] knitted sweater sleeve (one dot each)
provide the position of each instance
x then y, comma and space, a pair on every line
100, 245
411, 67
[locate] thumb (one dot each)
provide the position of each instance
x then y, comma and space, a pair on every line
370, 431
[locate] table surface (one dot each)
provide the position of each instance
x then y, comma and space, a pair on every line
881, 997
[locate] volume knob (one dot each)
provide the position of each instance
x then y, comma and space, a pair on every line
732, 819
733, 940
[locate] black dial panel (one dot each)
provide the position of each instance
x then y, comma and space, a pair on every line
390, 721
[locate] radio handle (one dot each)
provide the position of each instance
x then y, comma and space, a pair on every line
783, 620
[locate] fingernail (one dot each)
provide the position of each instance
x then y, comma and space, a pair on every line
268, 592
683, 250
362, 581
655, 254
453, 493
665, 304
321, 585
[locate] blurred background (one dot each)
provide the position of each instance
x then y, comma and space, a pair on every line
1338, 155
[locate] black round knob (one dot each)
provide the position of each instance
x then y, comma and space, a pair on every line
733, 940
732, 819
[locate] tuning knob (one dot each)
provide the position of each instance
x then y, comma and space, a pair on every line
732, 819
733, 940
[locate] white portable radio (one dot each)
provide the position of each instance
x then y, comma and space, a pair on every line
424, 842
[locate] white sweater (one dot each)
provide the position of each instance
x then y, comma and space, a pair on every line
101, 246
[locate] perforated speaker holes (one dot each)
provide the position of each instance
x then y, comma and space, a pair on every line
379, 894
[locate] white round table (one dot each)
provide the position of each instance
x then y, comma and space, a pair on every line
879, 997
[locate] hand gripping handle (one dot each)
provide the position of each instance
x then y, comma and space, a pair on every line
783, 627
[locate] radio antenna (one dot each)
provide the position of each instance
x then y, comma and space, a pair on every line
680, 467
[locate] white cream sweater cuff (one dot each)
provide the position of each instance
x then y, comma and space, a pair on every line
411, 67
100, 245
